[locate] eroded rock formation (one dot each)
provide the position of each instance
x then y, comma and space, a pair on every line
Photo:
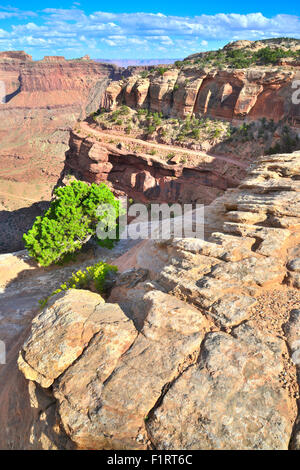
228, 94
42, 101
39, 103
148, 178
203, 347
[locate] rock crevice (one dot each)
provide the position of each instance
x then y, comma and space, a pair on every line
208, 366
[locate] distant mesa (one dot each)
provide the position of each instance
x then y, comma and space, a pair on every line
273, 43
60, 58
135, 62
15, 55
54, 58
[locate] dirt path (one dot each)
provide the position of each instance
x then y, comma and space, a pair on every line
152, 145
3, 193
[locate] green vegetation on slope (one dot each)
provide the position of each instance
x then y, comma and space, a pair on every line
266, 135
70, 221
145, 123
91, 278
240, 58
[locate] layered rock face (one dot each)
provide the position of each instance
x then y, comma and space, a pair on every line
198, 345
39, 103
22, 75
237, 94
146, 178
42, 100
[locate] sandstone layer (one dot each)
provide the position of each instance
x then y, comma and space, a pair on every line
148, 178
203, 347
39, 103
223, 94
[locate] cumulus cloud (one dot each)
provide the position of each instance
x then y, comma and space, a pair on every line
10, 12
57, 29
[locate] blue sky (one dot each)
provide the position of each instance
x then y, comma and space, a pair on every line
169, 29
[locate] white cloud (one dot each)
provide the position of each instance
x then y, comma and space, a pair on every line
66, 28
10, 12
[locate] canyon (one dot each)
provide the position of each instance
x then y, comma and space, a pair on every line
41, 102
44, 99
195, 342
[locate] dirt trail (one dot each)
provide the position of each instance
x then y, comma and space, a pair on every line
122, 138
14, 196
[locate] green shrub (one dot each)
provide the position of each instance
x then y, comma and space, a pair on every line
151, 129
70, 221
217, 132
124, 110
196, 133
92, 277
161, 70
178, 63
268, 56
156, 120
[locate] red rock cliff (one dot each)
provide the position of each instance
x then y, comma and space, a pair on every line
146, 178
42, 100
227, 94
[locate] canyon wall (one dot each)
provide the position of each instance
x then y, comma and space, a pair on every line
224, 94
209, 327
22, 75
147, 178
42, 101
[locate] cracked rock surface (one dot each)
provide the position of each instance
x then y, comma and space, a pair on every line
201, 351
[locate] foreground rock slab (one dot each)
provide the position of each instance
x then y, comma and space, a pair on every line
201, 350
114, 409
63, 331
230, 399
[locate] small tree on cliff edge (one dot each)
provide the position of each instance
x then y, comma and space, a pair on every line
69, 222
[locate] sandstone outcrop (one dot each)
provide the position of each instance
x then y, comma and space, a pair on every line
22, 285
210, 329
223, 94
205, 408
148, 178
